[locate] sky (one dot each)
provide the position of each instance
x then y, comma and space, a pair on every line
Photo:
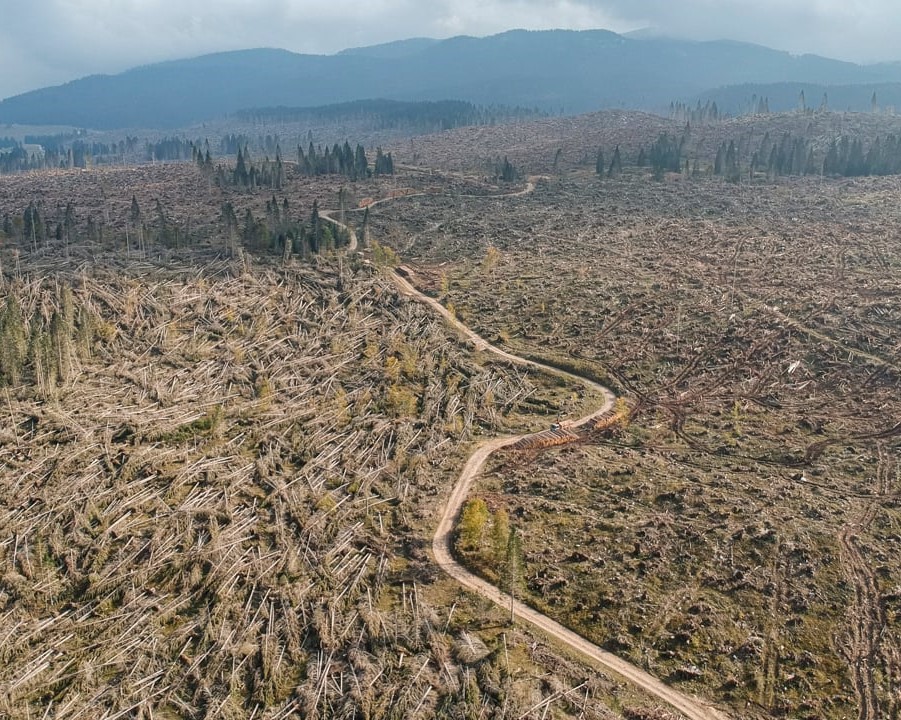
48, 42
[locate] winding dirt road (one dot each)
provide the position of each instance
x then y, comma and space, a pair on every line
442, 543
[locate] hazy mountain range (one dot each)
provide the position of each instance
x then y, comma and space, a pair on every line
556, 71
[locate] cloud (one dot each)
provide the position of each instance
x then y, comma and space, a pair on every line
861, 31
51, 41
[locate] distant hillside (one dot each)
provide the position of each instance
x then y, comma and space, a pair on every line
552, 70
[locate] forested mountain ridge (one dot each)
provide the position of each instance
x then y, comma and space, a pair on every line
558, 71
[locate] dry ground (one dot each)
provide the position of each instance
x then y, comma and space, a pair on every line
742, 535
218, 501
223, 510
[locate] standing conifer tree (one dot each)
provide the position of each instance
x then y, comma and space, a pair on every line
616, 164
315, 229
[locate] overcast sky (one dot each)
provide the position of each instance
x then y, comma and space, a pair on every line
45, 42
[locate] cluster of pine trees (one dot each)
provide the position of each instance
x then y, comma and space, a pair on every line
790, 155
847, 157
339, 160
504, 170
18, 159
157, 227
36, 227
43, 350
699, 114
613, 169
342, 160
280, 233
787, 155
61, 151
78, 155
203, 160
665, 155
488, 541
276, 230
35, 232
70, 151
231, 144
726, 162
58, 141
384, 163
171, 148
248, 175
392, 114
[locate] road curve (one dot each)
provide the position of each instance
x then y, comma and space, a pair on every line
442, 543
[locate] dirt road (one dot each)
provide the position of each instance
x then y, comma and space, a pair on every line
442, 543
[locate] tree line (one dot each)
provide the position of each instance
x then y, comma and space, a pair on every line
37, 228
44, 152
68, 150
791, 154
697, 115
275, 229
342, 160
419, 117
36, 232
247, 174
77, 155
785, 155
278, 232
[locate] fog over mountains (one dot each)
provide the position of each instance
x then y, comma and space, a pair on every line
554, 71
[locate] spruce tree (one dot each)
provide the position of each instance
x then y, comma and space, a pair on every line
315, 229
731, 168
616, 164
361, 164
240, 176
